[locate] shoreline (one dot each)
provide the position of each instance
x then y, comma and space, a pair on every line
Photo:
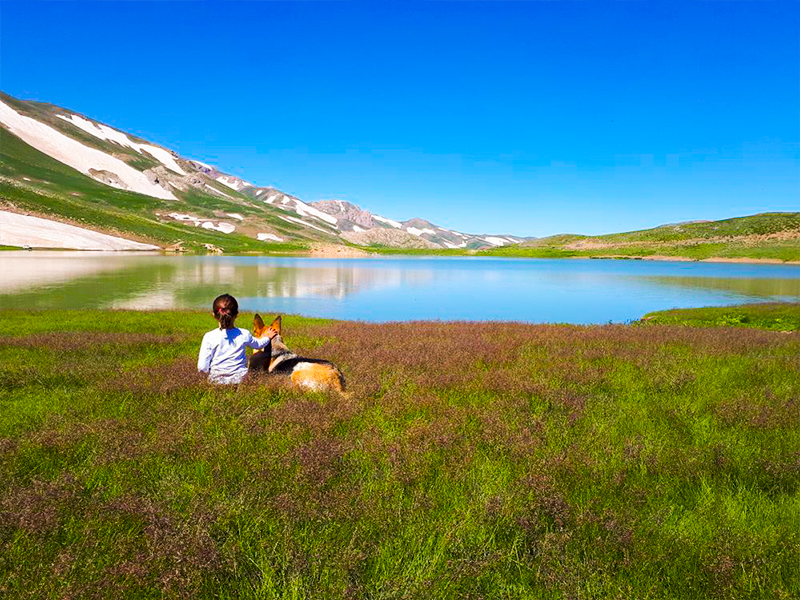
713, 259
333, 251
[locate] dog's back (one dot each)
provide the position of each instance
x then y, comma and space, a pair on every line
309, 373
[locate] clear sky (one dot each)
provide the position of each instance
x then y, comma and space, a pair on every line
527, 118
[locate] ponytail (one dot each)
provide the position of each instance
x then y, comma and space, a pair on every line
225, 318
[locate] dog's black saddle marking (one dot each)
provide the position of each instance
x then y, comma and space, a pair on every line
260, 362
287, 366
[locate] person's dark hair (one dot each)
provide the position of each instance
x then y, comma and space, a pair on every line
226, 308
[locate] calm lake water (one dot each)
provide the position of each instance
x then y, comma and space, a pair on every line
388, 289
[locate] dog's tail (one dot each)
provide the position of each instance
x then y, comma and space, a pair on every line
342, 383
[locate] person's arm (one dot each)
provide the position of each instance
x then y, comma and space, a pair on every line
206, 354
262, 342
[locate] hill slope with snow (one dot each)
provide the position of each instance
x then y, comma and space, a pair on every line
63, 166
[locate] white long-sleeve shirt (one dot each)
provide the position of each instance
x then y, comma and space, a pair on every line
222, 354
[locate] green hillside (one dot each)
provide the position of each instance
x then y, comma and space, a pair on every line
772, 236
32, 182
761, 224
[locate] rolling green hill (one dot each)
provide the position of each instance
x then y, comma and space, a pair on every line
766, 236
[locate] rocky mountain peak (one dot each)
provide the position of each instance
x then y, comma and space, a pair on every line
348, 212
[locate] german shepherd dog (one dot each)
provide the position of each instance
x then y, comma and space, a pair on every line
309, 373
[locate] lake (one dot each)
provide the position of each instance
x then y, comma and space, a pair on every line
389, 288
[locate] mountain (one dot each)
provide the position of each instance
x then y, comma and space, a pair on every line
367, 228
65, 167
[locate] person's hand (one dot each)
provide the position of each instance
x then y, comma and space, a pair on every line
271, 333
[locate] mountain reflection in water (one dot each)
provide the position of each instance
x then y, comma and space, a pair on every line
140, 282
390, 288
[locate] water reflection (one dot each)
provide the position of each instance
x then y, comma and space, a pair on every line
58, 280
577, 291
25, 270
762, 287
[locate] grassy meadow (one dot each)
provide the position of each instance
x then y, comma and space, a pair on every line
468, 460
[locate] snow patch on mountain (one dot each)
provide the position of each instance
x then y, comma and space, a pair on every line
72, 153
222, 227
277, 198
301, 222
112, 135
234, 183
216, 191
305, 210
204, 223
495, 241
263, 237
24, 230
388, 221
202, 165
415, 231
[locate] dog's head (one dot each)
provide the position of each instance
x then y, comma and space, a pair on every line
260, 330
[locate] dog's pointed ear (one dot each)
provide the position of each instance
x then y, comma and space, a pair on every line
276, 324
258, 322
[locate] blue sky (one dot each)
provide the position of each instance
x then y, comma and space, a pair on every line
528, 118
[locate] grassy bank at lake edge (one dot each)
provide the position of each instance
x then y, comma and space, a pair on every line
773, 316
788, 252
469, 460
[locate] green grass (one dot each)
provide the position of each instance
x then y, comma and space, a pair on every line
781, 316
517, 251
495, 460
389, 250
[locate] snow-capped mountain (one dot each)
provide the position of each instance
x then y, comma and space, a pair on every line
307, 215
353, 219
184, 194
